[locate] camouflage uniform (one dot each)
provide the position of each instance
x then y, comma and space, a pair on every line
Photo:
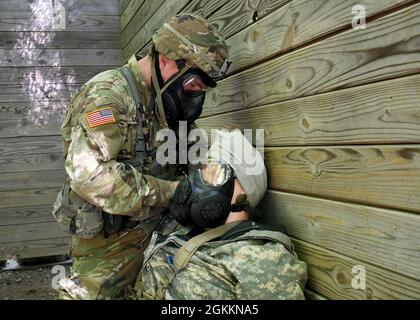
105, 169
225, 269
107, 173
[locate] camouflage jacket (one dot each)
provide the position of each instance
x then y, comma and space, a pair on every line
247, 266
99, 133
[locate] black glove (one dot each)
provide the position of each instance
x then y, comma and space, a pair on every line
180, 203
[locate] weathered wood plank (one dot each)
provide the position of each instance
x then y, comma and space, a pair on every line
70, 75
37, 91
41, 8
140, 18
386, 238
25, 198
238, 14
31, 179
296, 23
384, 112
386, 176
129, 12
389, 49
21, 147
166, 11
21, 21
30, 232
60, 40
312, 295
36, 118
60, 57
123, 5
35, 248
330, 274
29, 162
26, 215
141, 40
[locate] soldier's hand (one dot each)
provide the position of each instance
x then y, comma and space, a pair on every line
180, 204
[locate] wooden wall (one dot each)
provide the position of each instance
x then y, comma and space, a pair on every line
340, 110
42, 62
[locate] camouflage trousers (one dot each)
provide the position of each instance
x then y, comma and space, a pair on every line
104, 268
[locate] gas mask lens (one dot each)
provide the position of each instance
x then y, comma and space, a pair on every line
216, 174
194, 83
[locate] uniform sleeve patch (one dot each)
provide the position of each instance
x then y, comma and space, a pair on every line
100, 117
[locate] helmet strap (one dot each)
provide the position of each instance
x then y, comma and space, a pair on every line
159, 91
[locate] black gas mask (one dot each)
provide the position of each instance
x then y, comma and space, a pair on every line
179, 102
204, 197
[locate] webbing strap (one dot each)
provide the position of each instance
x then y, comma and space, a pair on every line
184, 254
129, 77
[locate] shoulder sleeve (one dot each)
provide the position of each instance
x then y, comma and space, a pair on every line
97, 176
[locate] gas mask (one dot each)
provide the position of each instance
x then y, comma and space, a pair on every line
179, 100
204, 198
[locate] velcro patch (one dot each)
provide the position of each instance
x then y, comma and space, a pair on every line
100, 117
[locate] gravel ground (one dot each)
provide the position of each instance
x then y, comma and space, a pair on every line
33, 283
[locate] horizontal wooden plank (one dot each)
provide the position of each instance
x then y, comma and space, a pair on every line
26, 215
40, 75
385, 238
31, 179
131, 9
389, 49
37, 91
387, 176
60, 57
238, 14
298, 22
30, 232
123, 5
29, 162
25, 198
142, 39
46, 8
330, 274
21, 147
148, 9
35, 248
23, 21
60, 40
384, 112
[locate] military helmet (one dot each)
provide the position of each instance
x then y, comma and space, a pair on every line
190, 37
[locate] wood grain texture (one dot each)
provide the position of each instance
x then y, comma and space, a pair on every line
29, 162
31, 179
311, 295
37, 91
30, 232
46, 8
389, 49
62, 74
60, 40
385, 238
123, 5
148, 9
298, 22
20, 21
383, 112
29, 146
129, 12
60, 57
35, 248
386, 176
330, 274
30, 197
26, 215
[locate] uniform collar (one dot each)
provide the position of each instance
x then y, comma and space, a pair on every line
135, 68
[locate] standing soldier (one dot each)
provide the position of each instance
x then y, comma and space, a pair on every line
112, 198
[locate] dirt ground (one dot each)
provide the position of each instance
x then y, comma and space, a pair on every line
31, 283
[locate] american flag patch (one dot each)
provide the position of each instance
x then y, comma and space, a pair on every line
100, 117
